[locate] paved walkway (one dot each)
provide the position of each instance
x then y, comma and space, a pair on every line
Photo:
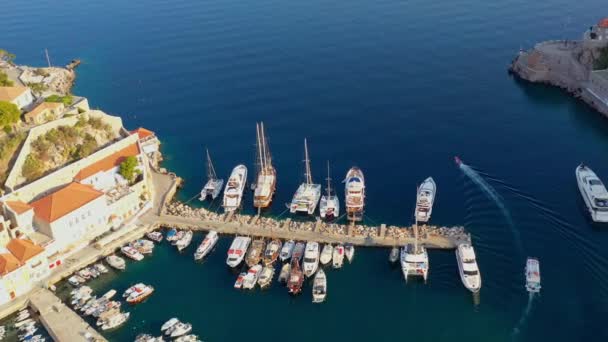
60, 321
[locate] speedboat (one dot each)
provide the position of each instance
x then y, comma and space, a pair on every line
338, 256
311, 258
532, 275
178, 236
425, 200
233, 194
74, 280
414, 261
101, 268
394, 255
298, 252
184, 241
467, 265
349, 252
139, 293
329, 208
179, 329
266, 180
131, 253
214, 185
319, 287
594, 193
237, 250
168, 324
326, 254
155, 236
255, 253
272, 251
296, 278
284, 275
239, 280
115, 321
143, 246
207, 245
116, 262
266, 275
287, 250
307, 195
252, 277
355, 194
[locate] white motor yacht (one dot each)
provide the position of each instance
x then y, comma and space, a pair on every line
168, 324
311, 258
326, 254
207, 245
287, 250
184, 241
594, 193
338, 257
533, 275
467, 265
233, 194
425, 200
319, 287
252, 277
354, 190
237, 250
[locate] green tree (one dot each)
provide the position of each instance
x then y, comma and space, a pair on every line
4, 81
9, 113
32, 168
66, 100
128, 168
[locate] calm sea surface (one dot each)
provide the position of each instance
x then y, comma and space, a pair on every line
395, 87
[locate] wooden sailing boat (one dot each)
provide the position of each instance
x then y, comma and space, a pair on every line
307, 196
265, 185
214, 185
330, 204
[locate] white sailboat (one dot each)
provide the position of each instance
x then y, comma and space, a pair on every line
414, 258
266, 180
319, 287
355, 194
330, 204
467, 266
311, 258
214, 185
307, 196
233, 194
594, 193
425, 200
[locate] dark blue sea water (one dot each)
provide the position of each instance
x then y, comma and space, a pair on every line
396, 87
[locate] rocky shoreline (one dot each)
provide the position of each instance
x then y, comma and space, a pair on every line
43, 81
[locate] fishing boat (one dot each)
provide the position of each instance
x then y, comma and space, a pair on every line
284, 275
116, 262
255, 253
214, 185
266, 275
298, 252
272, 251
179, 329
239, 280
394, 255
296, 278
414, 261
131, 253
311, 258
532, 275
425, 200
207, 245
237, 250
115, 321
155, 236
338, 256
266, 180
467, 265
139, 293
329, 208
355, 194
168, 324
326, 254
233, 194
184, 241
307, 196
287, 250
319, 287
252, 277
349, 252
593, 192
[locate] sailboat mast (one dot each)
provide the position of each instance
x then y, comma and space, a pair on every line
210, 169
307, 161
259, 147
328, 181
264, 152
416, 224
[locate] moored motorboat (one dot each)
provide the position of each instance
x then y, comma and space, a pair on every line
252, 277
319, 287
206, 245
116, 262
414, 261
296, 278
233, 194
467, 265
131, 253
284, 275
115, 321
326, 254
425, 200
355, 194
184, 241
266, 275
139, 293
329, 207
178, 236
266, 180
307, 195
143, 246
298, 251
311, 258
172, 235
239, 280
214, 185
349, 252
532, 275
255, 253
338, 256
237, 250
593, 192
179, 329
394, 255
287, 250
168, 324
155, 236
272, 251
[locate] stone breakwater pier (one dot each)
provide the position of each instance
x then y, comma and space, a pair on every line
182, 216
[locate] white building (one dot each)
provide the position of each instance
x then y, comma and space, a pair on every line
104, 175
22, 265
20, 96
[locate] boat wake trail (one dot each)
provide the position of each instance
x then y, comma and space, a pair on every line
524, 317
493, 195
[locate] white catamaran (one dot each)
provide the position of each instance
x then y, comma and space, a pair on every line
414, 258
266, 180
233, 194
330, 204
307, 196
355, 194
594, 193
425, 200
214, 185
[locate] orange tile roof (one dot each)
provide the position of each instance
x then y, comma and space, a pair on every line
23, 250
64, 201
43, 107
143, 133
11, 93
108, 162
603, 23
18, 207
8, 263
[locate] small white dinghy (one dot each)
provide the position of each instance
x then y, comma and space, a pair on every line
319, 287
394, 256
326, 254
338, 257
349, 251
